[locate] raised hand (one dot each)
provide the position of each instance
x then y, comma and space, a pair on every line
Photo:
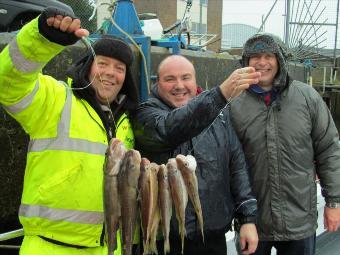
67, 24
238, 81
60, 27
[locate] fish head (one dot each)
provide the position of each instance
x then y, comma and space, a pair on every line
134, 157
114, 155
154, 168
130, 167
188, 162
144, 164
162, 172
144, 172
172, 166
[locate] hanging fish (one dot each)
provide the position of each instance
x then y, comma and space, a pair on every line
128, 190
179, 195
114, 156
187, 165
165, 204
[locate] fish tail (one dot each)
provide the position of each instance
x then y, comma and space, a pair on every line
182, 233
147, 249
202, 235
200, 219
153, 248
166, 246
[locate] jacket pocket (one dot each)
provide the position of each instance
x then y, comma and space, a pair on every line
297, 192
58, 190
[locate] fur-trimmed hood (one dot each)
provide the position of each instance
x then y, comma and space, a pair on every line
264, 42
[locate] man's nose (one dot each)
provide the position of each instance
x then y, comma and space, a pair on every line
179, 83
110, 71
261, 61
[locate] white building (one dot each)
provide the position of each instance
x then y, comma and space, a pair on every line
198, 13
235, 35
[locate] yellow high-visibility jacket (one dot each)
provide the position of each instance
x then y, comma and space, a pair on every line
63, 187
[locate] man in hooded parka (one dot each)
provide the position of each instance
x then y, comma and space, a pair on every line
289, 137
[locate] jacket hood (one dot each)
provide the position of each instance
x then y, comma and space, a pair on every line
263, 42
79, 73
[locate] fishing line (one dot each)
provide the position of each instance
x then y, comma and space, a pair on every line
229, 100
89, 46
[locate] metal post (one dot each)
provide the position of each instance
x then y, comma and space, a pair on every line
200, 31
336, 34
287, 22
324, 80
265, 19
127, 25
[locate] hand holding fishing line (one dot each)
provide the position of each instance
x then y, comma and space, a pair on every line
65, 22
68, 30
238, 81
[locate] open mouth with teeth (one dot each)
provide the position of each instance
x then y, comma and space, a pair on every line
263, 70
179, 93
107, 83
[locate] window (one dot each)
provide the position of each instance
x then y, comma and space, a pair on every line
204, 2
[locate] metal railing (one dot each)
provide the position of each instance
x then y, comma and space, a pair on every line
10, 235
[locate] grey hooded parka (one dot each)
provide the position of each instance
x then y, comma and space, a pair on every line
286, 144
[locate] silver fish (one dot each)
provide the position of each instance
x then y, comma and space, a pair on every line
165, 204
114, 156
128, 190
187, 165
144, 192
154, 216
179, 195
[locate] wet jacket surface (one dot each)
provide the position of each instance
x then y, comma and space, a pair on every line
63, 187
163, 132
286, 144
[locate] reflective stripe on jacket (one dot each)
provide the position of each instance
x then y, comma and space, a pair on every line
63, 188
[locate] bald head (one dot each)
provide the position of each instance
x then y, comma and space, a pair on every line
176, 80
174, 60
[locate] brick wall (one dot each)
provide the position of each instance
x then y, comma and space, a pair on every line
166, 10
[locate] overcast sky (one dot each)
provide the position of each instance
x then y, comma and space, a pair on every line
251, 12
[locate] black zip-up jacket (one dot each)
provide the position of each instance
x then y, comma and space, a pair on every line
203, 129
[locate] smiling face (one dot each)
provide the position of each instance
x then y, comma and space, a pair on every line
267, 64
176, 81
107, 76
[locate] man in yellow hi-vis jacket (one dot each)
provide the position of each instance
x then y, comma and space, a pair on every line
62, 202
